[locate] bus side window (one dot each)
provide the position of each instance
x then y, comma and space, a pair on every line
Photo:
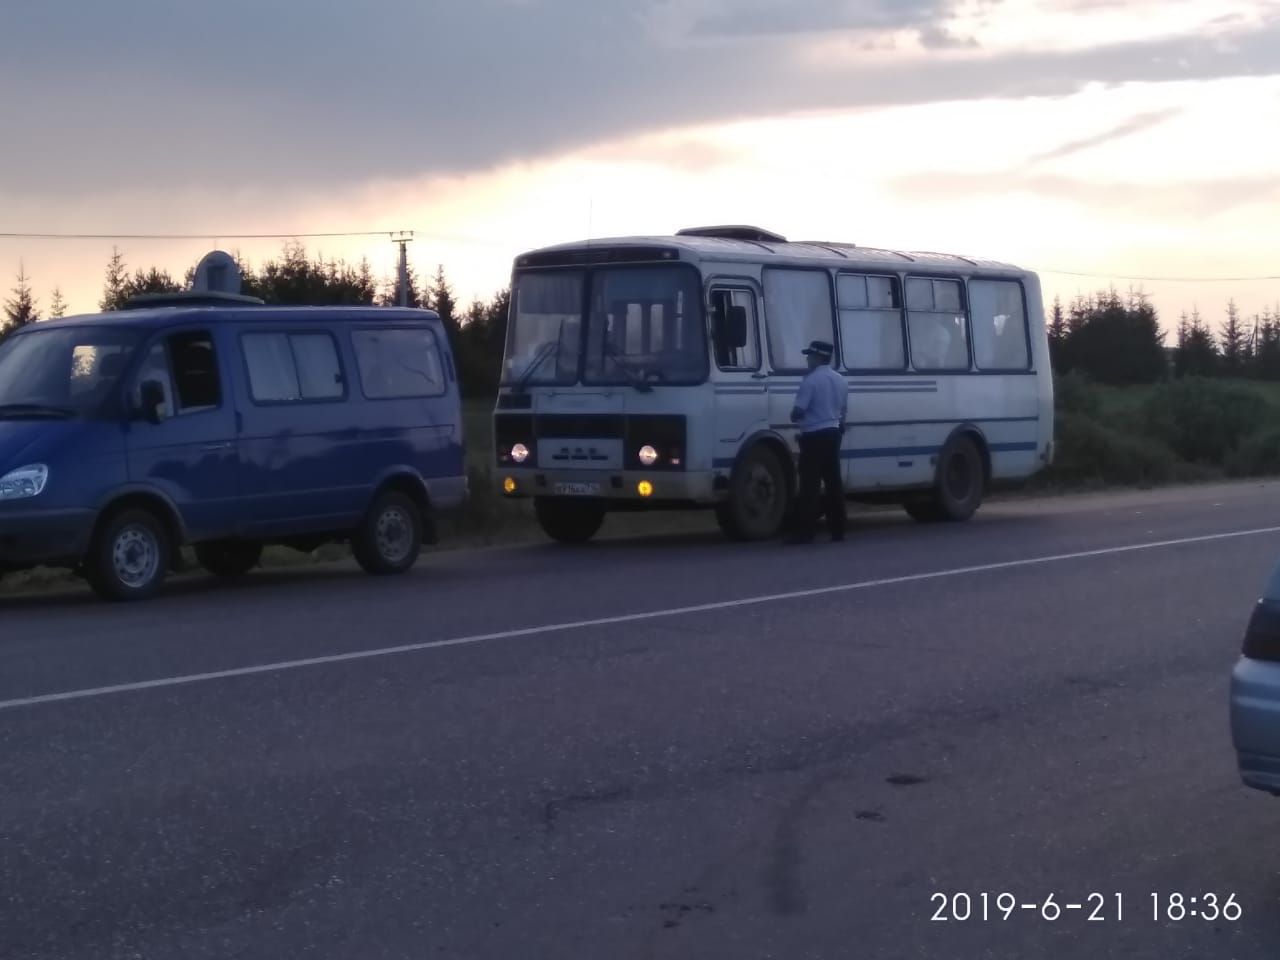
746, 357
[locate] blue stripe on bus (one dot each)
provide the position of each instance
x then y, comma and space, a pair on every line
876, 453
913, 423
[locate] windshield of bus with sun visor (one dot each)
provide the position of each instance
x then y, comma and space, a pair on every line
644, 327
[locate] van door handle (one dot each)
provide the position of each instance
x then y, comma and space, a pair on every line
760, 376
211, 447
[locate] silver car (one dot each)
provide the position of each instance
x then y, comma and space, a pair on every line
1255, 695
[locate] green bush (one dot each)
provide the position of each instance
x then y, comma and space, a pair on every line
1203, 421
1258, 454
1089, 453
1074, 393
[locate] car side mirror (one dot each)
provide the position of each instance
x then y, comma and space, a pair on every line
152, 399
731, 327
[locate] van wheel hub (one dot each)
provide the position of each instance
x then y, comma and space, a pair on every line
394, 535
135, 556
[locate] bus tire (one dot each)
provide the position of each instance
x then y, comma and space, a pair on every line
958, 488
566, 520
759, 497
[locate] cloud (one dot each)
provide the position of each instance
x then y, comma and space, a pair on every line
1207, 198
773, 18
1137, 124
298, 97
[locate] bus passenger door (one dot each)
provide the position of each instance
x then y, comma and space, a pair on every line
741, 385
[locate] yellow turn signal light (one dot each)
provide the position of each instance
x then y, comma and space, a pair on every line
644, 488
509, 485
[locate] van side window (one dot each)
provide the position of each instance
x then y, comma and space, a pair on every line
195, 371
156, 367
186, 367
399, 363
287, 367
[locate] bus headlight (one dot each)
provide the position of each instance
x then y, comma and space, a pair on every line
648, 455
519, 453
25, 482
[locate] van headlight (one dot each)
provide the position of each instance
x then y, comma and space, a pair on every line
519, 453
25, 482
648, 455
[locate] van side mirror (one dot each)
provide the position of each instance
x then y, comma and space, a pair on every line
151, 393
731, 327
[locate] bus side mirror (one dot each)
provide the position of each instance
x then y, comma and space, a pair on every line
731, 328
151, 394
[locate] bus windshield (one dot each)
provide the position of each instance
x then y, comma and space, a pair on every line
546, 329
644, 326
66, 372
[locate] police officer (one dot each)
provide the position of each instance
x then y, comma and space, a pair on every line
820, 413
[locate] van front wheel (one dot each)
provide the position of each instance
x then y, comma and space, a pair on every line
569, 521
129, 556
389, 539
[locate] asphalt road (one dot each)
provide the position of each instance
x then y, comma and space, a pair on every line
656, 749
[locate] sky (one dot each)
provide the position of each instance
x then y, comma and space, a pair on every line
1116, 139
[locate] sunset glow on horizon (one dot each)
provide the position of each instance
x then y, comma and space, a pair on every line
1069, 136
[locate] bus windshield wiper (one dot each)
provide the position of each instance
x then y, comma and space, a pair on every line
19, 410
546, 350
633, 378
550, 348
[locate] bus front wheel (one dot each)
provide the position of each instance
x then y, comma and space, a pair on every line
568, 521
958, 488
758, 497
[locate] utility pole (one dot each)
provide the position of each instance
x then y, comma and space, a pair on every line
404, 238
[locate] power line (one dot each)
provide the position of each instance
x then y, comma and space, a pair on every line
1116, 276
198, 236
218, 237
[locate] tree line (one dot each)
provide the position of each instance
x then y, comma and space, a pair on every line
1108, 337
477, 331
1117, 339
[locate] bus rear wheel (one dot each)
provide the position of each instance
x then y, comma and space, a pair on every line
958, 488
758, 497
567, 520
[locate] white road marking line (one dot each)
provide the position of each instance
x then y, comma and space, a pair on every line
283, 665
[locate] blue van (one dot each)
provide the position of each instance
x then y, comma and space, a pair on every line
226, 426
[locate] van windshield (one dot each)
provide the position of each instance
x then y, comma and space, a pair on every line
65, 372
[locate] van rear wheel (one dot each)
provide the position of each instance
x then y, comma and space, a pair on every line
758, 497
389, 539
569, 521
129, 556
229, 558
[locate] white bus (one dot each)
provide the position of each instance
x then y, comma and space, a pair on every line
648, 373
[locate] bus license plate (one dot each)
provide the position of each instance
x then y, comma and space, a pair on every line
578, 489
